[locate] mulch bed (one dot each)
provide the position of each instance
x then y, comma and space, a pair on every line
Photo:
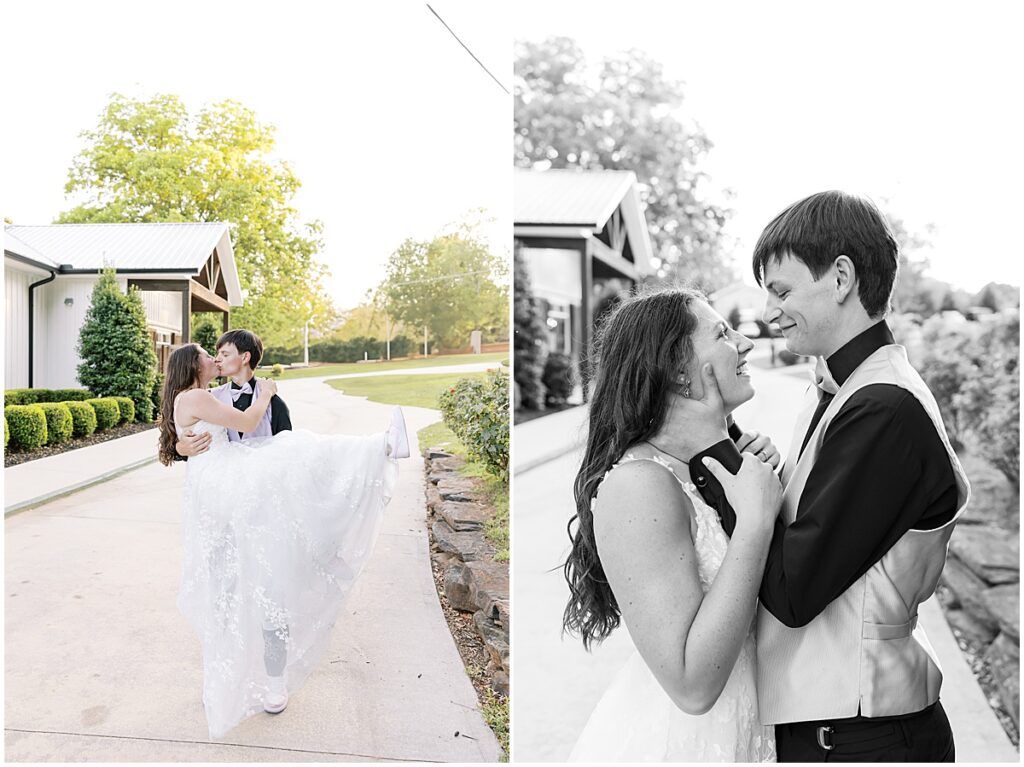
12, 458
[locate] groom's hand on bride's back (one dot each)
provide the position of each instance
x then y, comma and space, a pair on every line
190, 444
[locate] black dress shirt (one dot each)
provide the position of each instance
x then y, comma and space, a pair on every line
280, 419
882, 470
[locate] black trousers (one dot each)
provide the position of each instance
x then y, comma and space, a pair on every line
924, 736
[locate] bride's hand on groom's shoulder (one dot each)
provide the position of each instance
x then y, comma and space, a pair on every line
268, 387
760, 446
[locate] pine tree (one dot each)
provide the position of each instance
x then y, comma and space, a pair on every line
528, 338
117, 355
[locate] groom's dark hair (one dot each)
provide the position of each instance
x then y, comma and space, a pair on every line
818, 229
244, 341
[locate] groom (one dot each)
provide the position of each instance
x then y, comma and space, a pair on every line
238, 354
872, 492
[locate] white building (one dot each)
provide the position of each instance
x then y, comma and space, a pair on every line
49, 273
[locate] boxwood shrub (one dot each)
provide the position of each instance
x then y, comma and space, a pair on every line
7, 432
476, 410
28, 426
35, 396
107, 412
59, 424
83, 418
126, 408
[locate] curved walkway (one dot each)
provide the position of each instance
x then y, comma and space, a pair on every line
100, 666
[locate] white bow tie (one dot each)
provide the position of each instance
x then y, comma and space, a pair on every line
236, 393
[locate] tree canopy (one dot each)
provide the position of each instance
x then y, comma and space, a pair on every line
151, 161
624, 115
451, 285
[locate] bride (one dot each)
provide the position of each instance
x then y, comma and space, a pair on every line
275, 531
647, 549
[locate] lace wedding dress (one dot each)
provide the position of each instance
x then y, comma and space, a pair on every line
275, 531
636, 721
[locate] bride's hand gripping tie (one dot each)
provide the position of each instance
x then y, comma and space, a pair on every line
760, 446
755, 492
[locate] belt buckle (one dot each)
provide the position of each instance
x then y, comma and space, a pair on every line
822, 732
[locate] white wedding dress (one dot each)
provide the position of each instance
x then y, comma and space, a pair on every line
275, 531
636, 721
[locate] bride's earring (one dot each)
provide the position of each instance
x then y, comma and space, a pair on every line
686, 385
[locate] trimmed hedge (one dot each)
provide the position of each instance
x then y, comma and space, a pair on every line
107, 412
35, 396
28, 426
83, 418
476, 410
7, 432
59, 423
126, 407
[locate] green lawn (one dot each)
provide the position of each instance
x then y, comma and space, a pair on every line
415, 390
370, 367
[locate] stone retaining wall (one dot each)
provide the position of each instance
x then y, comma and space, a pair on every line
473, 581
982, 575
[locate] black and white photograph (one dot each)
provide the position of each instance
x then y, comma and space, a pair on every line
766, 416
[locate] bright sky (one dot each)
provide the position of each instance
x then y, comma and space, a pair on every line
915, 102
390, 125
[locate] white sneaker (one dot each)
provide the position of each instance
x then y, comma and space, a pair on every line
397, 436
276, 699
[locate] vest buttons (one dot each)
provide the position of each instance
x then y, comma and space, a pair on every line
702, 480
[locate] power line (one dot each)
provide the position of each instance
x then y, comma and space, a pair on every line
469, 51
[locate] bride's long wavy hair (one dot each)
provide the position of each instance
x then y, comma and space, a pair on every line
642, 347
183, 371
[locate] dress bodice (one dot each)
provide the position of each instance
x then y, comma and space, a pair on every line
218, 434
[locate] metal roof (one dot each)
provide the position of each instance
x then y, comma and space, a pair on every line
570, 197
132, 247
23, 251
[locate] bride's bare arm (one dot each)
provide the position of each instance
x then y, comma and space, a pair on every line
199, 405
689, 640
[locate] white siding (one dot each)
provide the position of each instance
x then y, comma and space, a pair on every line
56, 357
163, 310
16, 284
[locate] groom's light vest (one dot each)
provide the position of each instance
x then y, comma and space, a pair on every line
263, 429
864, 653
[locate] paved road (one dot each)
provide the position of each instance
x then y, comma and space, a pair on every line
100, 666
557, 684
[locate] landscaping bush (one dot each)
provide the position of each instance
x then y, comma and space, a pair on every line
83, 418
126, 408
7, 432
28, 426
107, 412
114, 344
276, 371
154, 398
59, 424
558, 378
529, 337
476, 410
35, 396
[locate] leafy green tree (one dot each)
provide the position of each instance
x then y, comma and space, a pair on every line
151, 161
114, 344
626, 114
205, 332
528, 339
451, 285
